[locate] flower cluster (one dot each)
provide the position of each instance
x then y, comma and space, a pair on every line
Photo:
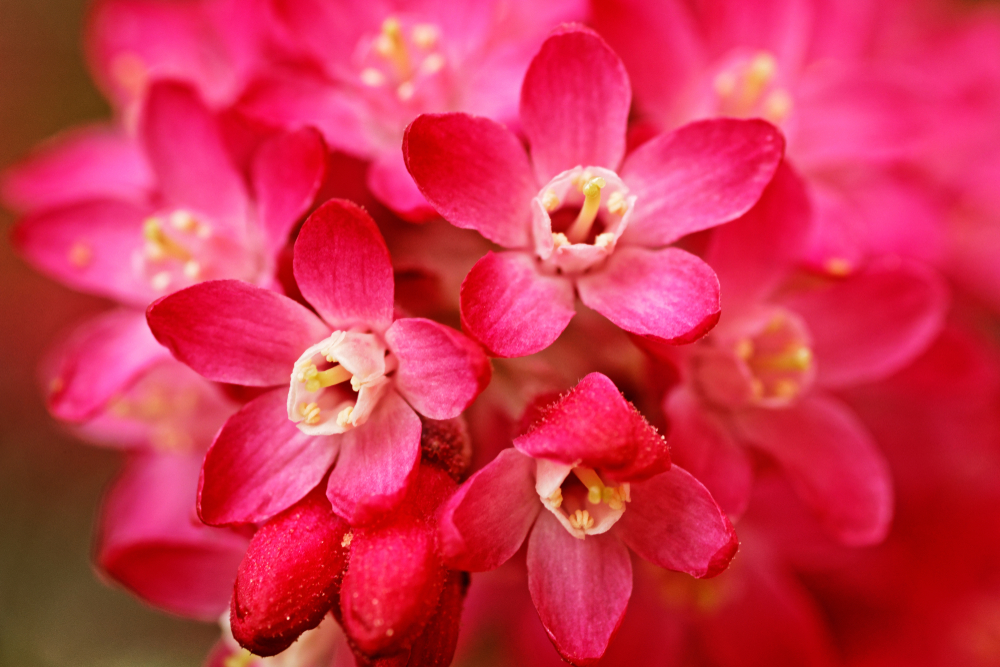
488, 326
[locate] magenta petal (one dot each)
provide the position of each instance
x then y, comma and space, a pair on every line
88, 246
261, 464
486, 521
580, 588
440, 371
342, 267
475, 172
666, 294
874, 323
231, 331
377, 461
594, 426
702, 445
287, 172
832, 463
674, 522
392, 185
574, 103
193, 168
99, 361
150, 541
92, 162
511, 308
699, 176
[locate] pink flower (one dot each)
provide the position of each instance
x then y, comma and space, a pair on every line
588, 481
361, 71
282, 443
579, 219
763, 377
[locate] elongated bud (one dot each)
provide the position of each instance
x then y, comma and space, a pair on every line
290, 575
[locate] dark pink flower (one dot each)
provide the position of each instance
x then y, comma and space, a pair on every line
763, 377
577, 218
282, 443
590, 480
363, 70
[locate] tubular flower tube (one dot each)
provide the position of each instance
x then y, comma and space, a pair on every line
577, 218
355, 379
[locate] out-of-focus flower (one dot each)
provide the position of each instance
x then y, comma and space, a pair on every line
589, 480
589, 229
282, 443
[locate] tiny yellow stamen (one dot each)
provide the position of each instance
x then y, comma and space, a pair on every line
344, 418
242, 659
406, 91
724, 84
424, 35
556, 498
160, 281
391, 46
310, 413
80, 255
559, 240
183, 221
348, 538
795, 358
432, 64
159, 245
372, 78
744, 349
192, 269
315, 379
617, 204
581, 520
605, 240
837, 266
777, 106
761, 71
550, 200
578, 232
786, 388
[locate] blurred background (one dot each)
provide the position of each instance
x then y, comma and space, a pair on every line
53, 610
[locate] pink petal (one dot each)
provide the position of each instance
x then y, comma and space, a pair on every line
99, 361
668, 294
392, 185
377, 461
440, 371
594, 426
702, 445
580, 588
261, 464
93, 162
512, 309
88, 246
290, 576
832, 463
193, 168
575, 103
755, 253
475, 172
287, 172
342, 267
486, 521
231, 331
874, 323
674, 522
698, 176
150, 541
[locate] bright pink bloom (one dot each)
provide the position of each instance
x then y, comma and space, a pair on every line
762, 378
590, 480
579, 219
365, 69
281, 444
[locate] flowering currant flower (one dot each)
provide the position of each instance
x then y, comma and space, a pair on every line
576, 217
344, 388
589, 480
762, 378
364, 69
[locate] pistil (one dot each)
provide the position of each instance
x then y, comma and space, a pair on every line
581, 227
160, 246
391, 46
315, 379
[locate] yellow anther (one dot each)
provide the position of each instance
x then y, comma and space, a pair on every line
559, 240
192, 269
605, 240
432, 64
159, 245
372, 78
344, 418
424, 35
80, 255
837, 266
786, 388
310, 413
762, 69
578, 232
795, 358
581, 520
613, 498
160, 281
242, 659
724, 84
391, 46
348, 538
617, 204
777, 106
315, 379
556, 498
744, 349
406, 91
183, 221
550, 200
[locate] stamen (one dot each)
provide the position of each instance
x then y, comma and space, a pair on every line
777, 106
406, 91
559, 240
744, 349
159, 245
556, 498
432, 64
242, 659
183, 221
550, 200
786, 388
344, 418
605, 240
315, 379
310, 413
372, 78
192, 269
391, 46
794, 358
424, 35
578, 232
761, 71
160, 281
581, 520
617, 204
591, 480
